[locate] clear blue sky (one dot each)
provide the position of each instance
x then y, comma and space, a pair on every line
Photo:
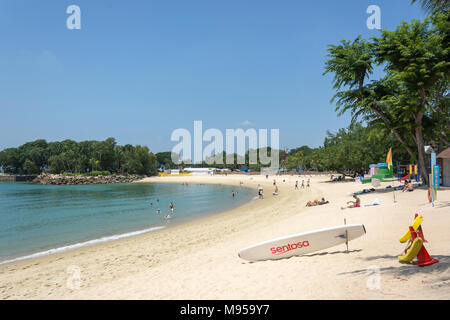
137, 70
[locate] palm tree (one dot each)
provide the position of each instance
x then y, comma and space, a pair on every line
434, 6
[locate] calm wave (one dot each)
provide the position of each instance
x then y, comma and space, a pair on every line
40, 219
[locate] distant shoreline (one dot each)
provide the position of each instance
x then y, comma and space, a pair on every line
17, 177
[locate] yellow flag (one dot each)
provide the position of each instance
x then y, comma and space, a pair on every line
389, 158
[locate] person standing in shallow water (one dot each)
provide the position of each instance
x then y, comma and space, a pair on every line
171, 207
232, 194
260, 192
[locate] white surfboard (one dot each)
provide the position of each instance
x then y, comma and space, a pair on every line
302, 243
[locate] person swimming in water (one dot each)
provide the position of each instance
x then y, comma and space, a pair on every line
171, 207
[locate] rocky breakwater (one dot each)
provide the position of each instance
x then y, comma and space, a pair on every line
59, 179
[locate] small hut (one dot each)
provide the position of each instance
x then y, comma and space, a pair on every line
444, 162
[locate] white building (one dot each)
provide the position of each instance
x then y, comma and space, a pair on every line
200, 171
444, 162
268, 171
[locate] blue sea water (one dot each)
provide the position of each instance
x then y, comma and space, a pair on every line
41, 219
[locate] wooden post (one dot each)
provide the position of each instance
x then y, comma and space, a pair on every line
346, 234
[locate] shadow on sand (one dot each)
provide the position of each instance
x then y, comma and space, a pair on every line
441, 204
407, 269
308, 255
337, 182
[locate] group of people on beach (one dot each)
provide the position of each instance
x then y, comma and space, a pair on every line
316, 202
303, 184
408, 186
338, 178
276, 190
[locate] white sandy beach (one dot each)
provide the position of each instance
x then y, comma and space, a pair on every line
198, 259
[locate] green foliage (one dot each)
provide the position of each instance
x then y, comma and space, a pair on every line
351, 63
71, 157
98, 173
434, 6
411, 99
165, 159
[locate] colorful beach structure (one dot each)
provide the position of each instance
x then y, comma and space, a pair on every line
380, 171
385, 171
408, 171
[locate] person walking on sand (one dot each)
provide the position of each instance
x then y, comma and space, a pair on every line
296, 185
353, 204
275, 193
307, 183
303, 184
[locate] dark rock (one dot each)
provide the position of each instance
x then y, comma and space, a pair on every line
58, 179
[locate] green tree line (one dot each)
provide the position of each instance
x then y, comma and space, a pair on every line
348, 151
83, 157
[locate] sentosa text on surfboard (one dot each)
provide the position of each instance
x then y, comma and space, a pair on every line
289, 247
